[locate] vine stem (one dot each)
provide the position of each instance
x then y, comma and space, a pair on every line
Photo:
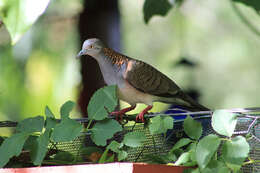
251, 161
90, 121
244, 19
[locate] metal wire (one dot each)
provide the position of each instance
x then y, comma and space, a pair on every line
247, 125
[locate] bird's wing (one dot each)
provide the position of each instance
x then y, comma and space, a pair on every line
147, 79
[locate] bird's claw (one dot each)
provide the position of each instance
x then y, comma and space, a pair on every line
140, 117
118, 114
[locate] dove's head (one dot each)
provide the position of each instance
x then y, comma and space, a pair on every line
91, 47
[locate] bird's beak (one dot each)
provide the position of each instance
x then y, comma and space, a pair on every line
82, 52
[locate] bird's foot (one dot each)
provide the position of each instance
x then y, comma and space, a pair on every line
119, 114
140, 116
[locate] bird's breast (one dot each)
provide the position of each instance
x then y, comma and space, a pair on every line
129, 94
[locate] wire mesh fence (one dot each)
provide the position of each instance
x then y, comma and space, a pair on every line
247, 125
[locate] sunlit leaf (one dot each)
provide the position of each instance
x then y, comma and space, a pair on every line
19, 15
104, 130
160, 124
184, 158
235, 151
224, 122
122, 155
206, 148
102, 102
114, 146
192, 127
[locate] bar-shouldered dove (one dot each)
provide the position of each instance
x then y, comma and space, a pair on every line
137, 81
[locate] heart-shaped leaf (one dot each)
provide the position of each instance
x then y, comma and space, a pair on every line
160, 124
66, 130
65, 109
235, 151
12, 146
206, 148
31, 125
104, 130
224, 122
134, 139
40, 148
19, 15
192, 127
102, 102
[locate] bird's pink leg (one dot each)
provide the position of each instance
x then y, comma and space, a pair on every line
140, 116
122, 112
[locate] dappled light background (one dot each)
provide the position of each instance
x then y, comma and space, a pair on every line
41, 68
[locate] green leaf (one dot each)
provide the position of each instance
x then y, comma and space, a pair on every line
182, 142
40, 148
30, 125
160, 124
104, 130
19, 15
215, 166
235, 151
64, 156
50, 123
224, 122
103, 156
66, 108
114, 146
192, 128
190, 170
122, 155
251, 3
110, 159
87, 151
30, 142
12, 146
206, 148
160, 159
66, 130
134, 139
49, 113
102, 102
192, 149
155, 7
184, 158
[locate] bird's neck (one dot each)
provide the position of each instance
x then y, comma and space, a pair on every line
114, 57
112, 64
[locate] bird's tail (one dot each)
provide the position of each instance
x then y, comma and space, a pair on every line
191, 105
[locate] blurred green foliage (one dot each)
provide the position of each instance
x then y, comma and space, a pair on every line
41, 70
19, 15
208, 33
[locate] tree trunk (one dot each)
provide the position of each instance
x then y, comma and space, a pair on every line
99, 19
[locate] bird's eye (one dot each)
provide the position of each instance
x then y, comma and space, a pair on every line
91, 46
